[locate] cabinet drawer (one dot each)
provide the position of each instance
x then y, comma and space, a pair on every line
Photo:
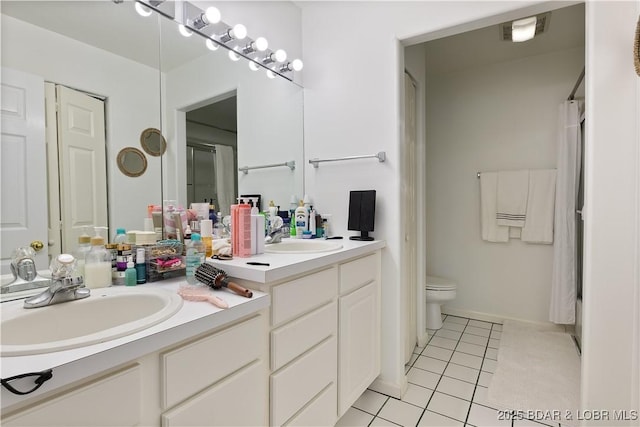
355, 274
294, 338
114, 400
239, 400
291, 299
320, 412
296, 385
194, 367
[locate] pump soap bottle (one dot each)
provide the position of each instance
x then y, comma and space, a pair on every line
301, 220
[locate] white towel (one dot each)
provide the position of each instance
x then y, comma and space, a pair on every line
540, 207
491, 231
511, 199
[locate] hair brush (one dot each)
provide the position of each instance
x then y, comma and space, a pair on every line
216, 279
199, 293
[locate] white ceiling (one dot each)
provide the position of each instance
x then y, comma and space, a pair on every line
566, 30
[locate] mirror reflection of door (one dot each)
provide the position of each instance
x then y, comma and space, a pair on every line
212, 154
77, 173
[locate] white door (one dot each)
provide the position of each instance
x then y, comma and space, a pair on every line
23, 216
82, 164
409, 196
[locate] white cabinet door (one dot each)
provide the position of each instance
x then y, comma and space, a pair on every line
359, 344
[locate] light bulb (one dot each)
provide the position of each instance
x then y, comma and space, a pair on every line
261, 44
239, 32
233, 56
523, 29
297, 64
184, 31
212, 14
211, 45
280, 55
271, 74
253, 66
142, 10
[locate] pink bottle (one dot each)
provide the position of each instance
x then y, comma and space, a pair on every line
241, 230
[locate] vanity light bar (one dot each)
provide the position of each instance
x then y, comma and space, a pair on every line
208, 24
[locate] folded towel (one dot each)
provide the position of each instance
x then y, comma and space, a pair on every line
491, 231
511, 199
540, 207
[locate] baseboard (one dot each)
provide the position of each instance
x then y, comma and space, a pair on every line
486, 317
423, 338
390, 389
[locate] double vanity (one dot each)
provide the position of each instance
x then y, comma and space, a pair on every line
299, 352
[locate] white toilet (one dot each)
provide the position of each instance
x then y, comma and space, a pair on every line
438, 292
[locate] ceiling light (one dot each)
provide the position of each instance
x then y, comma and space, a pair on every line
295, 65
209, 16
523, 29
260, 44
277, 56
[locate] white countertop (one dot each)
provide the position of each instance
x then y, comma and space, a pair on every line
72, 365
283, 265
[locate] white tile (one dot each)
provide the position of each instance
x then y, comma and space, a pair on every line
437, 352
476, 350
474, 330
480, 396
497, 327
489, 365
456, 388
494, 343
480, 324
492, 353
447, 333
417, 395
449, 406
431, 419
485, 379
380, 422
400, 412
481, 416
430, 364
370, 401
474, 339
423, 378
468, 360
453, 326
431, 332
354, 418
443, 342
496, 334
455, 319
462, 373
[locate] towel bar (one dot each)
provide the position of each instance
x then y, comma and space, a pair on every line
381, 156
245, 169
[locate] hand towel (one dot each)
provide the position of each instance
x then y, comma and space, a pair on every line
491, 231
538, 227
511, 199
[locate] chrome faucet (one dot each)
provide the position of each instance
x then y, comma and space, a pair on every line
64, 287
276, 231
25, 274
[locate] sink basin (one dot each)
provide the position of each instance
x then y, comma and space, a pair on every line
302, 246
107, 314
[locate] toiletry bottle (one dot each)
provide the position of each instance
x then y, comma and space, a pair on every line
312, 222
141, 266
84, 246
301, 220
97, 267
206, 234
194, 258
218, 228
121, 236
130, 274
273, 211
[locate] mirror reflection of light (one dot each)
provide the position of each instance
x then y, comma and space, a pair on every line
142, 10
271, 74
233, 56
253, 66
185, 31
211, 45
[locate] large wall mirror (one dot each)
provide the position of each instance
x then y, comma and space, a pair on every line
146, 75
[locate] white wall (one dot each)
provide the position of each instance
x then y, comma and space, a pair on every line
131, 106
501, 116
352, 97
611, 333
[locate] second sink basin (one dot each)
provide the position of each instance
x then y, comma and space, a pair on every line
107, 314
302, 246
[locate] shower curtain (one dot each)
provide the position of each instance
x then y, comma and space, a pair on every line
564, 274
225, 172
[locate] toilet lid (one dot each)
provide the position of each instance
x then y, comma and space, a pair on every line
440, 284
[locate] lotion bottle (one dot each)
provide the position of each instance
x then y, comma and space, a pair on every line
301, 220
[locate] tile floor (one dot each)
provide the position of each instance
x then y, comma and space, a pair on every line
448, 382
